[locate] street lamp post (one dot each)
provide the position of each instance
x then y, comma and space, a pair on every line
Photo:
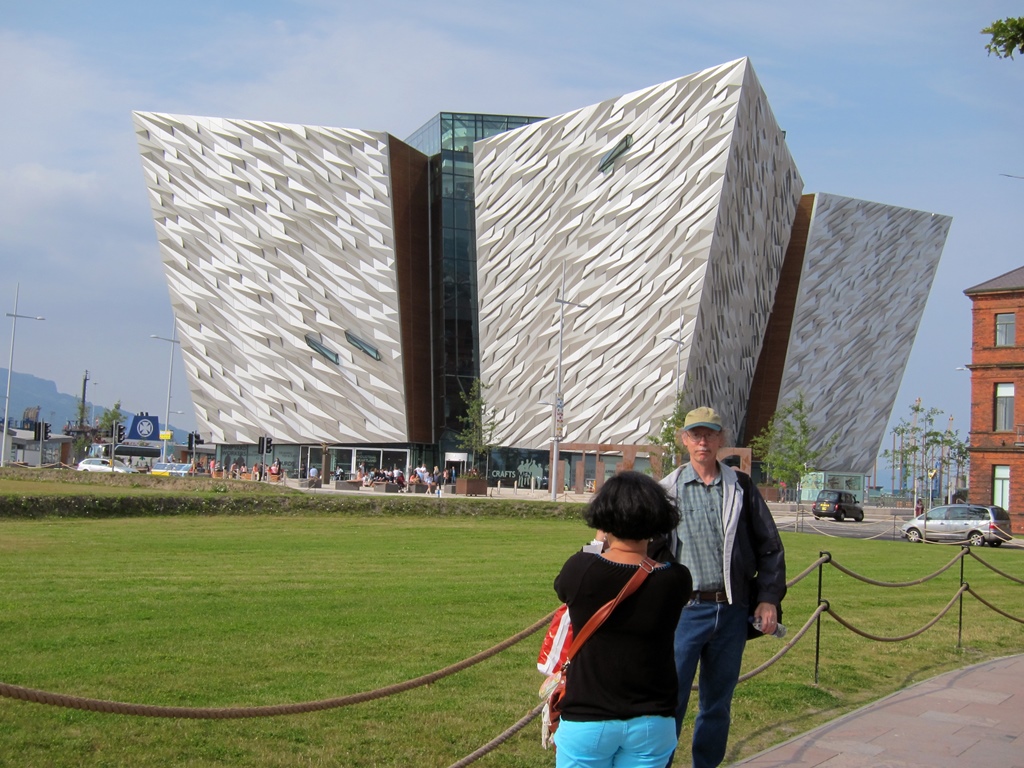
168, 429
170, 375
679, 353
92, 409
558, 407
10, 369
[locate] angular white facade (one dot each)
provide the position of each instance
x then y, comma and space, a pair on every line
867, 270
687, 232
272, 235
323, 285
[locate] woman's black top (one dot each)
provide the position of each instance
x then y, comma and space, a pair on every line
627, 667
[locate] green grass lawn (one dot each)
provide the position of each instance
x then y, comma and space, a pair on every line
240, 611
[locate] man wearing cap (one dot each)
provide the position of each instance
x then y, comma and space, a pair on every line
728, 540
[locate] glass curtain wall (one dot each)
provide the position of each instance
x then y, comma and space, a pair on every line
448, 140
460, 352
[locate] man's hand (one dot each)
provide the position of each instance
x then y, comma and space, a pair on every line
769, 617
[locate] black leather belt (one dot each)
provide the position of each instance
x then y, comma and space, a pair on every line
709, 597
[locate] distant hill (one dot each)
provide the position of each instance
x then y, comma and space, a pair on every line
28, 391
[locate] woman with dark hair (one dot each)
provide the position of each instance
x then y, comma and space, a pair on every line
621, 688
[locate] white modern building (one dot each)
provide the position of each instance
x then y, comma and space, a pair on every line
681, 236
338, 290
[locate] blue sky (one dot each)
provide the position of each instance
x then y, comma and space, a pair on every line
893, 101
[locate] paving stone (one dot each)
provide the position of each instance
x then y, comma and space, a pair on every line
970, 718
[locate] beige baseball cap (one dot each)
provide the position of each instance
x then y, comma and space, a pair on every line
703, 417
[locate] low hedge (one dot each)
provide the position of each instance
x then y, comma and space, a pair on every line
203, 495
297, 504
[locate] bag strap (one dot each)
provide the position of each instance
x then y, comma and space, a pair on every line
646, 567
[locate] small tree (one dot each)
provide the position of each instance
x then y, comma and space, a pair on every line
667, 438
84, 434
1007, 37
919, 444
478, 425
957, 460
111, 417
108, 420
785, 444
80, 414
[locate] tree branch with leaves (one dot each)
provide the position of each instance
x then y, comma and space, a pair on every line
667, 438
784, 445
1007, 37
111, 417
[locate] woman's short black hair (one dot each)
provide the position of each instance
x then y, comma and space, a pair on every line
632, 505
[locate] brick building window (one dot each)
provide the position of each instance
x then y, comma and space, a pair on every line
1006, 329
1004, 408
1001, 486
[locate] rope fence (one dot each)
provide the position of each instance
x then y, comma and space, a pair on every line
823, 607
994, 569
843, 569
989, 605
497, 741
915, 633
234, 713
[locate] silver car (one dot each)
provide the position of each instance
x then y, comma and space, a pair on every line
962, 524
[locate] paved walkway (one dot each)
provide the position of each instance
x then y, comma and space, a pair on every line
969, 718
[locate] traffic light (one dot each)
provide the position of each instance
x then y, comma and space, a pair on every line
37, 431
46, 430
191, 440
120, 433
261, 445
268, 445
199, 440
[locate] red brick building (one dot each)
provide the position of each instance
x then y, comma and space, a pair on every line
997, 374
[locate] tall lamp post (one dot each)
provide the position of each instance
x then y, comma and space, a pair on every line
557, 414
92, 409
170, 374
10, 368
679, 352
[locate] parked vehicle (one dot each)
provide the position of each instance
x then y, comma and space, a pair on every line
103, 465
171, 469
838, 505
973, 524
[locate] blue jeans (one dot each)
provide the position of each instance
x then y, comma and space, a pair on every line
640, 742
713, 634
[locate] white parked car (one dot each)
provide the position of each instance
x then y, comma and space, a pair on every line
103, 465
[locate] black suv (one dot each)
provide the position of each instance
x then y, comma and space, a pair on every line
838, 505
